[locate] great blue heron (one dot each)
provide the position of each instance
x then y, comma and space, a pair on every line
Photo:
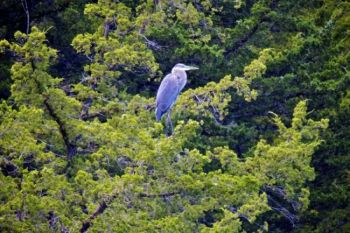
169, 89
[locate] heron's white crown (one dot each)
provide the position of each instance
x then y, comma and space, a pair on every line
184, 67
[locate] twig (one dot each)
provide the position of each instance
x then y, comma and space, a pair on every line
235, 210
106, 30
150, 43
25, 8
48, 29
214, 112
292, 218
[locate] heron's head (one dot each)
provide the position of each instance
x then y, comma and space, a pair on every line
183, 67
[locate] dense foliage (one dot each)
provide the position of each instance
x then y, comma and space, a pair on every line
262, 130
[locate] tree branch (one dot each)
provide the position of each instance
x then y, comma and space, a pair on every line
70, 148
106, 29
151, 44
241, 42
54, 221
280, 194
214, 112
233, 209
91, 116
164, 195
25, 8
105, 204
99, 210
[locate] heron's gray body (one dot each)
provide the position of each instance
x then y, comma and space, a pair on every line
168, 92
170, 88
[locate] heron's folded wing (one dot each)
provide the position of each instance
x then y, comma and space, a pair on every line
167, 93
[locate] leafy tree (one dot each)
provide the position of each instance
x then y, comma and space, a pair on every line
66, 173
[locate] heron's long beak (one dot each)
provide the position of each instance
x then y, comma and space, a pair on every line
191, 68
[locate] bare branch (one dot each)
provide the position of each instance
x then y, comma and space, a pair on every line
26, 10
214, 112
276, 206
150, 43
106, 30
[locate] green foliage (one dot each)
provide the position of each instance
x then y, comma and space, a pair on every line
127, 164
117, 42
30, 80
294, 148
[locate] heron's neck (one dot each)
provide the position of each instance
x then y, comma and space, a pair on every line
180, 73
181, 77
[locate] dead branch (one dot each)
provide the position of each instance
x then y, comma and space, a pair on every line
151, 44
26, 10
214, 112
